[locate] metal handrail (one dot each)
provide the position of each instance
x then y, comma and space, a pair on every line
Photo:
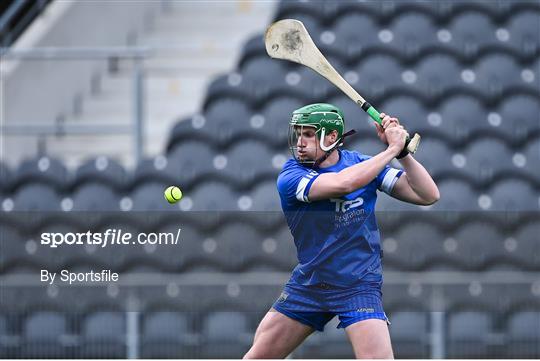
136, 54
75, 53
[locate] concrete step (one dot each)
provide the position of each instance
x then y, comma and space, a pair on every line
164, 114
75, 149
119, 147
174, 85
212, 7
202, 66
195, 40
185, 22
192, 42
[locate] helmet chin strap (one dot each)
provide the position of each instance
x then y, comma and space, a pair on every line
328, 150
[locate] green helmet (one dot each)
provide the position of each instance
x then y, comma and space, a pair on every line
325, 118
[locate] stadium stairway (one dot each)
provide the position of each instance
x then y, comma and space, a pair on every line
190, 49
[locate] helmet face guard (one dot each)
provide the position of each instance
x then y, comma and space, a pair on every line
300, 154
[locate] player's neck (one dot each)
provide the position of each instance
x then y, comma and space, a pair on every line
332, 159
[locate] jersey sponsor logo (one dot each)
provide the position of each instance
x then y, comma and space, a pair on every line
343, 206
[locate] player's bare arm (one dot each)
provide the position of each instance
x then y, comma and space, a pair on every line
330, 185
415, 185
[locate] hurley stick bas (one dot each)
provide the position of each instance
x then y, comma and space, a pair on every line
288, 39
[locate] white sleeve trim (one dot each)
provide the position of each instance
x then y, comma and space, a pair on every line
389, 180
301, 189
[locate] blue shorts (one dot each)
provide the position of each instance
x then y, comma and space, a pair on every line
316, 305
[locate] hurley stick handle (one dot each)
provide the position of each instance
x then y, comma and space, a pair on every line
411, 144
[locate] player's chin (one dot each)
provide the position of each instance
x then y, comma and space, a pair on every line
304, 157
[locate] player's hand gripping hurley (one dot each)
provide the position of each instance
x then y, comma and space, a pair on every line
288, 39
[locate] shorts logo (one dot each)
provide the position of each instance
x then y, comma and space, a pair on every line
283, 297
365, 309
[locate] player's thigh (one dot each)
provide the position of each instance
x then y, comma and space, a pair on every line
277, 336
370, 339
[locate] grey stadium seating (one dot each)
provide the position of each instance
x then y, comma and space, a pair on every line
464, 74
467, 331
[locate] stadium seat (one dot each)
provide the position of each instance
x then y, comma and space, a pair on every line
355, 118
492, 298
376, 9
413, 32
532, 159
409, 333
332, 343
219, 341
433, 82
526, 249
514, 195
354, 33
252, 48
231, 85
469, 334
488, 159
311, 85
378, 74
103, 335
14, 252
523, 31
189, 160
315, 9
263, 76
495, 73
36, 197
5, 176
436, 157
5, 346
280, 249
370, 145
92, 196
238, 246
248, 161
523, 331
197, 252
152, 170
56, 258
470, 32
43, 336
518, 117
402, 250
411, 113
121, 257
101, 169
212, 197
424, 7
42, 169
463, 117
477, 246
149, 197
227, 120
272, 123
166, 257
456, 195
166, 335
266, 198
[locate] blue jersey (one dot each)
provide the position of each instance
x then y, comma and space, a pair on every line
337, 240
